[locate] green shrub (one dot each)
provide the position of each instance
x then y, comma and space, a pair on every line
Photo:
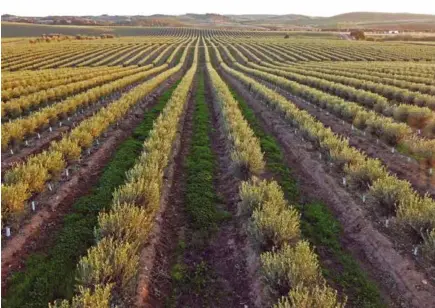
110, 261
289, 266
320, 296
255, 193
98, 297
274, 225
125, 222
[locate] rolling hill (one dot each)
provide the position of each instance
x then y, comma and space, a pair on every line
360, 20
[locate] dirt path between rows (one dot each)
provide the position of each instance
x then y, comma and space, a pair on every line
157, 257
34, 235
407, 169
398, 164
225, 253
397, 274
38, 144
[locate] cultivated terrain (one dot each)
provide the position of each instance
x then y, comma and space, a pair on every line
199, 167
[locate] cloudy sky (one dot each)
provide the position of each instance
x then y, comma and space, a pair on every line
144, 7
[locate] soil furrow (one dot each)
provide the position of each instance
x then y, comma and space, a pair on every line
199, 258
156, 257
397, 274
408, 169
36, 145
55, 205
226, 251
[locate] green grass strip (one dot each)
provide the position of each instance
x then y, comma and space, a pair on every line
324, 231
201, 208
201, 198
318, 225
51, 275
272, 153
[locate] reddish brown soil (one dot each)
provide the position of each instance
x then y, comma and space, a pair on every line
35, 233
397, 273
229, 252
160, 253
398, 164
224, 252
153, 263
228, 282
154, 256
36, 145
414, 172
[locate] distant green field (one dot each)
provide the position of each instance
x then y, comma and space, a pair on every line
31, 30
10, 30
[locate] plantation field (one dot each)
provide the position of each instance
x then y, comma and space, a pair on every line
214, 168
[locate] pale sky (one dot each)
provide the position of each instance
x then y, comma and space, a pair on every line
174, 7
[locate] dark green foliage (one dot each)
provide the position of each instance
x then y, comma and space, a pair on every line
201, 198
318, 225
324, 231
50, 275
272, 153
195, 276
